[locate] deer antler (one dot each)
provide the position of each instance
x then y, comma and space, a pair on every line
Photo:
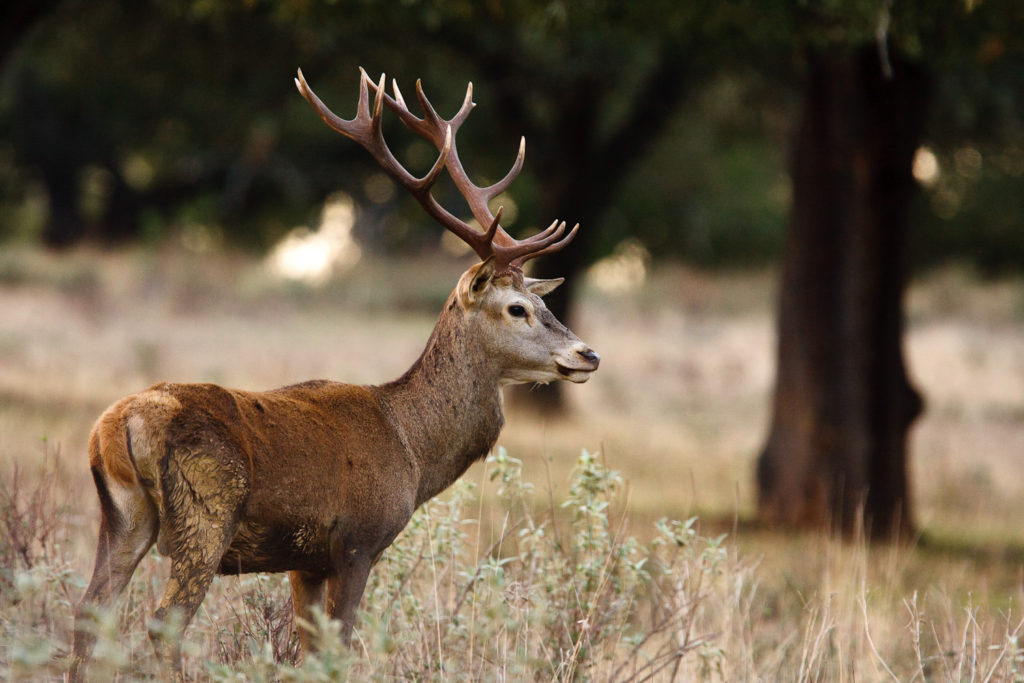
508, 252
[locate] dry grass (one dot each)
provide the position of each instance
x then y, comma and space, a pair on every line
679, 408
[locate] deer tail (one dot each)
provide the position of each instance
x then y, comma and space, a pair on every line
109, 445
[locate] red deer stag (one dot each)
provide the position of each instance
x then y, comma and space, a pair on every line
317, 479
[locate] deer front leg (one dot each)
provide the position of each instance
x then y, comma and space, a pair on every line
345, 589
307, 592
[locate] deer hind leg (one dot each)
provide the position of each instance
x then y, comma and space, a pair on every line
128, 528
307, 592
202, 496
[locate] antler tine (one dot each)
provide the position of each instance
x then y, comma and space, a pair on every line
468, 105
495, 224
378, 104
547, 235
363, 103
502, 185
398, 94
545, 242
330, 118
539, 241
429, 113
555, 245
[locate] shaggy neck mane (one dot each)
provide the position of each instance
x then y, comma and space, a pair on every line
447, 408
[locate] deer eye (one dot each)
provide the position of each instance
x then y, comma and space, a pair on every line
517, 311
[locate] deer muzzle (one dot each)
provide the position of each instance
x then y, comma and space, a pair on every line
580, 365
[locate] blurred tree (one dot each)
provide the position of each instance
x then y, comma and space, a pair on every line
132, 113
19, 16
843, 402
836, 451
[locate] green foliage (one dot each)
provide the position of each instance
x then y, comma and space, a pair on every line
715, 191
144, 120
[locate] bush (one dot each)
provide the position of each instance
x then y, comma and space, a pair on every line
583, 602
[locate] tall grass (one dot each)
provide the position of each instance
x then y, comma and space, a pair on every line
547, 592
576, 578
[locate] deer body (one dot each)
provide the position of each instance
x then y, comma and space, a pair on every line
318, 478
282, 472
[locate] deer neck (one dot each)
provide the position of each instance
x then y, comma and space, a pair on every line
447, 408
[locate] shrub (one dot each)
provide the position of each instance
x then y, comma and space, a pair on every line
576, 603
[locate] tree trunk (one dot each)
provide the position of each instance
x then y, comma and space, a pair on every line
570, 263
64, 226
836, 452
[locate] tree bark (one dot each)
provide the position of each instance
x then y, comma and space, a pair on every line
836, 452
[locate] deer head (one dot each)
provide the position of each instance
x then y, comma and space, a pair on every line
502, 306
510, 321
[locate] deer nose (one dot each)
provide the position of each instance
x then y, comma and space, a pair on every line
590, 356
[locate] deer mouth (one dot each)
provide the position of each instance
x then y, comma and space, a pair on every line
577, 375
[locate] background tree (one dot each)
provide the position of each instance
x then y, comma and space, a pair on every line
843, 403
836, 451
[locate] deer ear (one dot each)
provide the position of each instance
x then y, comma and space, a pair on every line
542, 287
475, 282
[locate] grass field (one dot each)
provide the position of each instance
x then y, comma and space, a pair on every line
678, 409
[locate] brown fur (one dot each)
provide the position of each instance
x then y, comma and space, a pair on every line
318, 478
108, 444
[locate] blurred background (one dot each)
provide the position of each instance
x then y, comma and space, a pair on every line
801, 227
801, 259
670, 126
